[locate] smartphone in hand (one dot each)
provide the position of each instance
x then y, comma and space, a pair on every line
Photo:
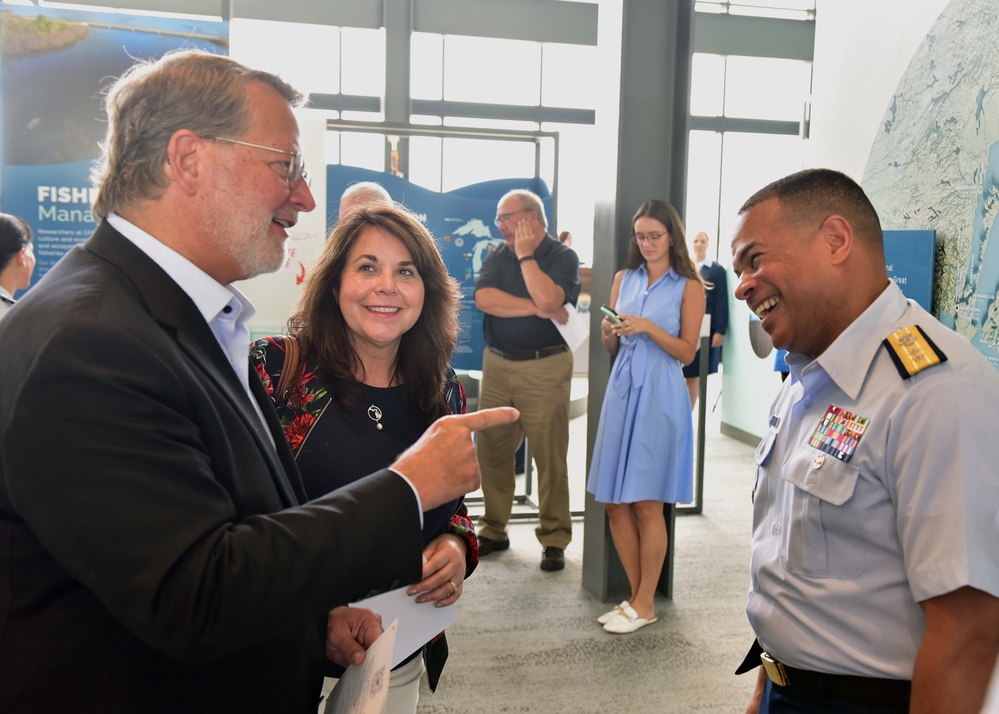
609, 312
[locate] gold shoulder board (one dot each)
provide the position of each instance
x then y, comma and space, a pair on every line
912, 350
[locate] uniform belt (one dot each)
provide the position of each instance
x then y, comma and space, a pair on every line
870, 690
538, 354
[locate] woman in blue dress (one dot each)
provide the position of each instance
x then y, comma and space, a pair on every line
644, 452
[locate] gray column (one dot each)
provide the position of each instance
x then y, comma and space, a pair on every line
652, 141
398, 18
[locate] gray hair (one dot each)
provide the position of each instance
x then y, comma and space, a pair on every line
151, 101
529, 201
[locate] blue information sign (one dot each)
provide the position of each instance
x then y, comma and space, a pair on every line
910, 257
56, 63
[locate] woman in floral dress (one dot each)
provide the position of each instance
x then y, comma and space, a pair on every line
375, 327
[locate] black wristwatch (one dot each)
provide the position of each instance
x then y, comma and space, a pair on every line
526, 258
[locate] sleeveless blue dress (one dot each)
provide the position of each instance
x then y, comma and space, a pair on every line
644, 450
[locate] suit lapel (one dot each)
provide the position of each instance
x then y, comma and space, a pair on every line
277, 433
174, 310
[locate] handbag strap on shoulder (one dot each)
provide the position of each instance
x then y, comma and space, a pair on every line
289, 369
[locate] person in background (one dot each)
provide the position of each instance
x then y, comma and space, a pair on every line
780, 364
374, 328
363, 193
565, 238
17, 259
643, 454
716, 284
874, 576
523, 286
158, 550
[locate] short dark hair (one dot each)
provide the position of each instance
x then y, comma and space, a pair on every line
679, 255
809, 197
425, 350
15, 233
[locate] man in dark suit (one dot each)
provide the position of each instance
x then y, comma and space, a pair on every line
156, 553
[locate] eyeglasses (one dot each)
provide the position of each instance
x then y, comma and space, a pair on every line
652, 238
505, 218
296, 167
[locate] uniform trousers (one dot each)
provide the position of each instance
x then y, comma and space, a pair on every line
540, 389
786, 700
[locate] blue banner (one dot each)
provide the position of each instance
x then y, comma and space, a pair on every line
56, 65
910, 256
461, 220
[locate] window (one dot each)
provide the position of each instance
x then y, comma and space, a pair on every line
249, 40
362, 61
779, 9
766, 88
750, 162
749, 87
473, 71
703, 185
707, 85
569, 75
426, 66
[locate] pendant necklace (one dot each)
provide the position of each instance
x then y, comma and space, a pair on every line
375, 415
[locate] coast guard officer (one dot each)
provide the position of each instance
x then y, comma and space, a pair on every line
875, 571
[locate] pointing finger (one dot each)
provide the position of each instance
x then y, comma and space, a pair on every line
485, 418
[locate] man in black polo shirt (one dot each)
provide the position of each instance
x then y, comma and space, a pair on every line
523, 286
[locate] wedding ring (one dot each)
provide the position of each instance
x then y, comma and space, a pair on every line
454, 588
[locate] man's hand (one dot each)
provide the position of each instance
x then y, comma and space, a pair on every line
754, 702
561, 316
349, 632
524, 242
441, 465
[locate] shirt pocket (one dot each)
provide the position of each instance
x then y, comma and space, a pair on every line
765, 448
825, 536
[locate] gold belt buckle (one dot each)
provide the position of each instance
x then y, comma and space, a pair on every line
775, 670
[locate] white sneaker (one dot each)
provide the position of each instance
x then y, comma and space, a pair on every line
608, 616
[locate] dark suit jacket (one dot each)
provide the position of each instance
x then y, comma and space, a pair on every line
717, 308
153, 552
717, 296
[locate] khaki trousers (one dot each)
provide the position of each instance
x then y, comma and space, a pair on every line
539, 388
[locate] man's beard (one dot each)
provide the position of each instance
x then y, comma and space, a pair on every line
245, 239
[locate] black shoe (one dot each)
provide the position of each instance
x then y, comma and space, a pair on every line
552, 558
488, 545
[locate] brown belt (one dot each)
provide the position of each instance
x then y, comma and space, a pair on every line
538, 354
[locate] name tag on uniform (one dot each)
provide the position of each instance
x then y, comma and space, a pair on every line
839, 432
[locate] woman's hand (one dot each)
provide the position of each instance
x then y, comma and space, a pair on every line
443, 571
607, 329
631, 325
